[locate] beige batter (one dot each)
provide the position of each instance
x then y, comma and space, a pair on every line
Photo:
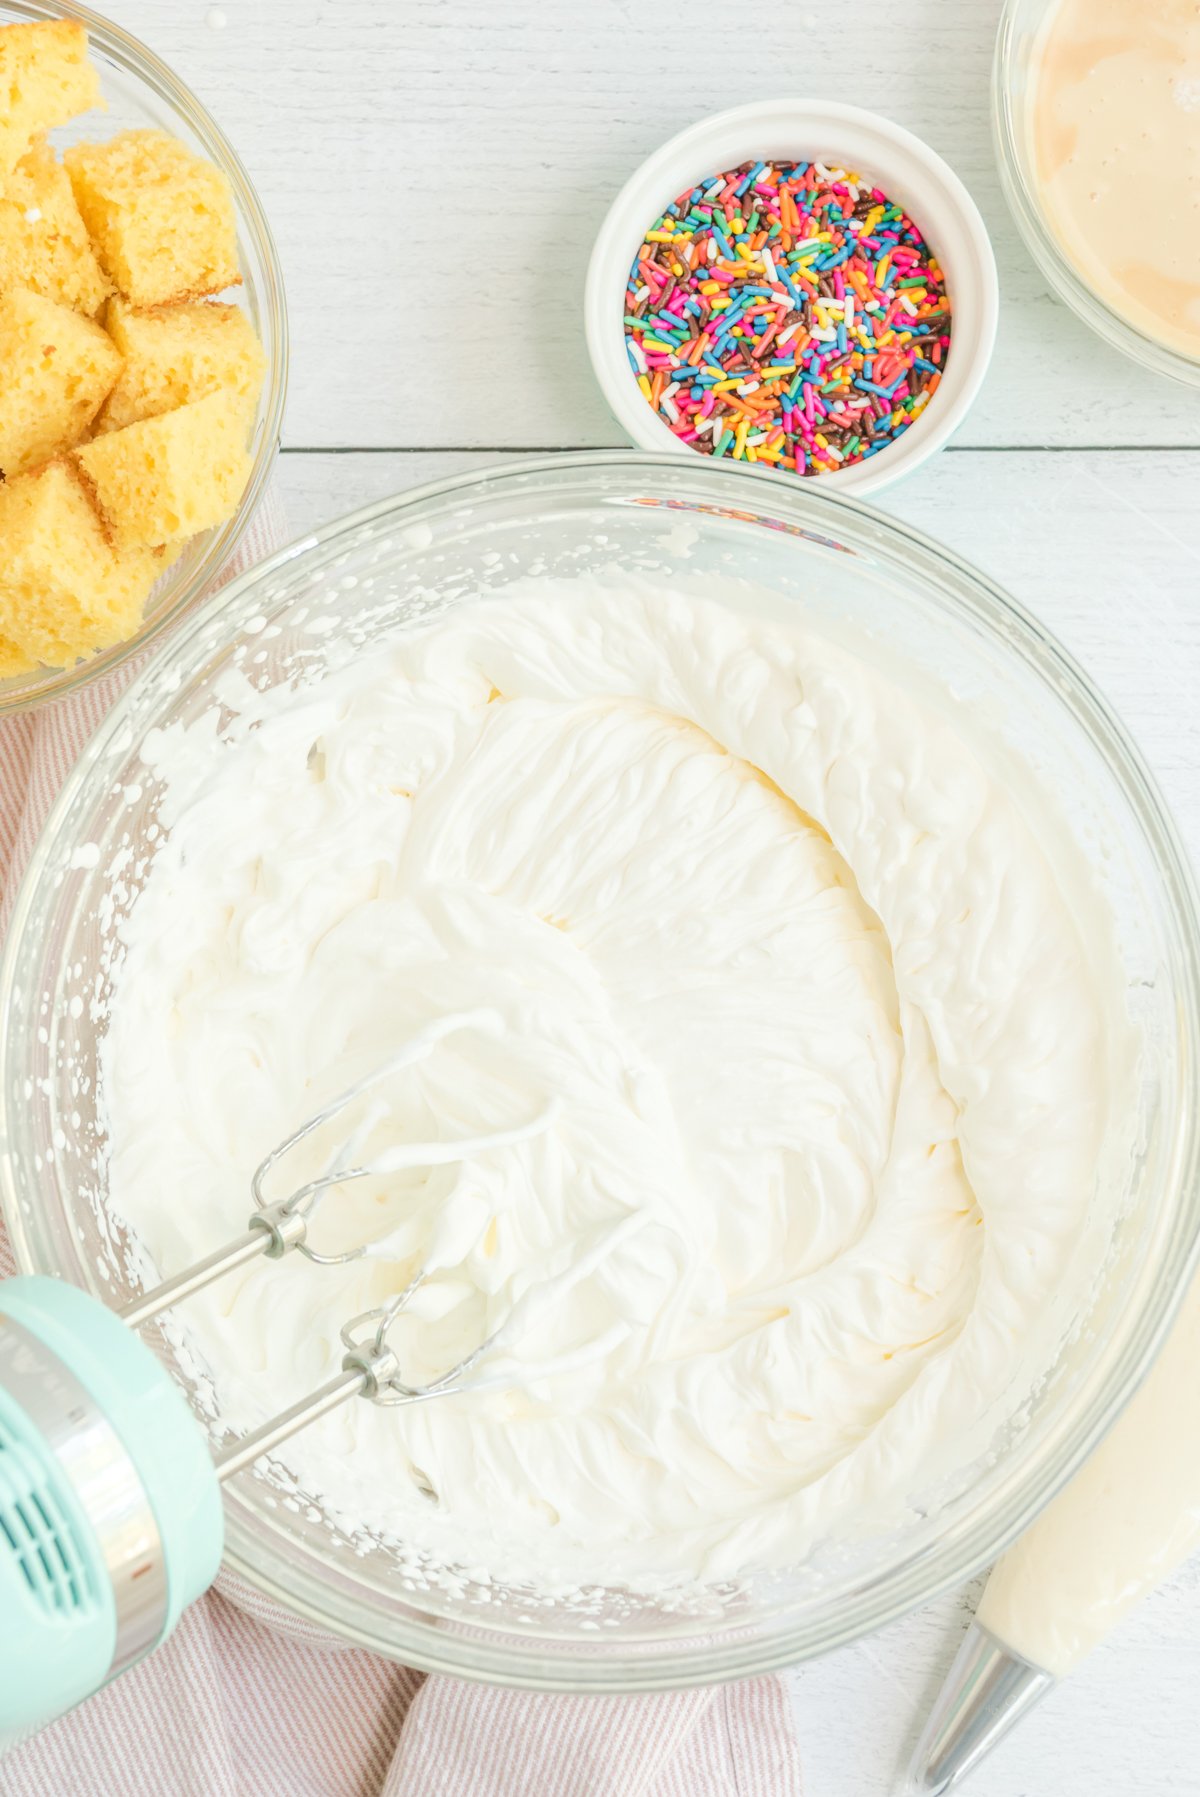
1116, 124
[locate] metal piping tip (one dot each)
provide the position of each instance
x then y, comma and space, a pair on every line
987, 1690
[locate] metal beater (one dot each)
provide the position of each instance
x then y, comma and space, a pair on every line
370, 1368
110, 1512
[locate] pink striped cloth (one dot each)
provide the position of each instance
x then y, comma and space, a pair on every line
247, 1701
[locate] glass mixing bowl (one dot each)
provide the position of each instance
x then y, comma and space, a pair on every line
142, 93
1014, 69
840, 566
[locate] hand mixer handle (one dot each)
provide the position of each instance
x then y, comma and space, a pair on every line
110, 1509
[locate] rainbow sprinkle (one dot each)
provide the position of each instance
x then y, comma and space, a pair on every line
787, 313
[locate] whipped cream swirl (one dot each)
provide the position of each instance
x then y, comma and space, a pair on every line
826, 1036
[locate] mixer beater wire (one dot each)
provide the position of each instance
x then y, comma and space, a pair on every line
370, 1367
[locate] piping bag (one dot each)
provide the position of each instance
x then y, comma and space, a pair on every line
1123, 1524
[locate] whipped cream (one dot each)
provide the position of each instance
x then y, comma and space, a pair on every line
826, 1023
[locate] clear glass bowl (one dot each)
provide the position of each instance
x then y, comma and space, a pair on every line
400, 563
1014, 68
142, 93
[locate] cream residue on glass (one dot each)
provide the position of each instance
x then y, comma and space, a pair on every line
831, 1039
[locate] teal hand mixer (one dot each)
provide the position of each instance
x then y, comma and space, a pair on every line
110, 1506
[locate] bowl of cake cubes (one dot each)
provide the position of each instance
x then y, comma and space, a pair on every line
143, 349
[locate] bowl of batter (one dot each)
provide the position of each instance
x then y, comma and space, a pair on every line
824, 965
1095, 106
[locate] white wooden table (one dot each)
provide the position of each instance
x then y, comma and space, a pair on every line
424, 162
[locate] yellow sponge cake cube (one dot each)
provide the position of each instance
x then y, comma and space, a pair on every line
43, 243
161, 219
64, 590
175, 354
14, 660
56, 370
171, 476
45, 79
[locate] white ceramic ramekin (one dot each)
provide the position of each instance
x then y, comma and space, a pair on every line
806, 130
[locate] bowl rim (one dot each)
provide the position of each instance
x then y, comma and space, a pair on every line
659, 176
1044, 246
539, 1662
138, 60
